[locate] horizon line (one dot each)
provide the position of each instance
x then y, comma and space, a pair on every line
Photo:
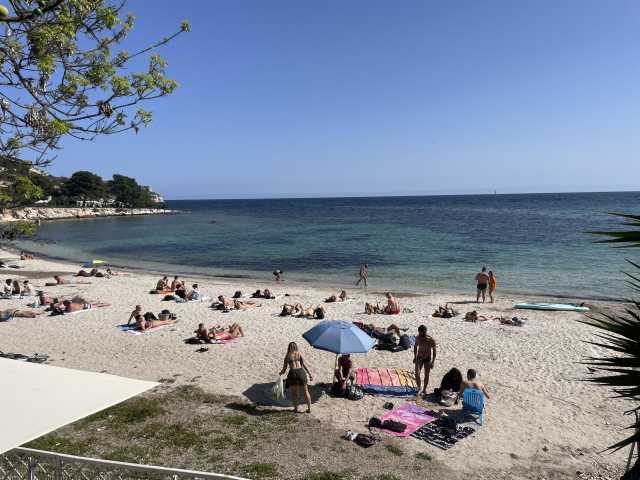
397, 195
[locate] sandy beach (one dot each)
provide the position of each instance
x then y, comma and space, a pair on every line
541, 418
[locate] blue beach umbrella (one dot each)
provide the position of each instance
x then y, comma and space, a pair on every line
339, 337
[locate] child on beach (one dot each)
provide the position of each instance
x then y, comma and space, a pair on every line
492, 285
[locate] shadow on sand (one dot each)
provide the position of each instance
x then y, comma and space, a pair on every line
260, 394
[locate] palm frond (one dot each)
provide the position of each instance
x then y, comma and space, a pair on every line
619, 333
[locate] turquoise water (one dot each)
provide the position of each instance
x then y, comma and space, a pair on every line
536, 243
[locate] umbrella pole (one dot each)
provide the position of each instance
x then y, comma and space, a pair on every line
334, 370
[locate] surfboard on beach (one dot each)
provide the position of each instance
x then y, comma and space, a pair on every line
559, 307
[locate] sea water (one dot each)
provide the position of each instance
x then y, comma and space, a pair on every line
535, 243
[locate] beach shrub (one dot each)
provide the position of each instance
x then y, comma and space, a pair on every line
397, 451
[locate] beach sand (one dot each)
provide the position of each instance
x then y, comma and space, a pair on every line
540, 419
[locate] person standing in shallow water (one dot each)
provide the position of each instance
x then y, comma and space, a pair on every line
364, 274
492, 285
482, 282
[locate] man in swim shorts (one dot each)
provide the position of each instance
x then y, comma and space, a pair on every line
424, 356
482, 282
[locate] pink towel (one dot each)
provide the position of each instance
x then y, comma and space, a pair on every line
411, 415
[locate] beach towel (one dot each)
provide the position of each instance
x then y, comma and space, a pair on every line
440, 434
133, 329
11, 297
410, 414
386, 381
201, 299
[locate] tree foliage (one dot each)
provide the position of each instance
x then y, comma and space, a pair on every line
126, 191
64, 74
85, 185
19, 191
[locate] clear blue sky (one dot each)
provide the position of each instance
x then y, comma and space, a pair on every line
282, 98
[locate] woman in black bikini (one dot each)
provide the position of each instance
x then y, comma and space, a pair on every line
299, 375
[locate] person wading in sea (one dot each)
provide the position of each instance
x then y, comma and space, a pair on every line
482, 282
364, 275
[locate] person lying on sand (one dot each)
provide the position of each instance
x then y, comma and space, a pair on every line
215, 333
142, 324
515, 321
474, 317
337, 298
94, 272
299, 311
223, 303
238, 305
7, 314
444, 312
263, 294
25, 256
472, 382
62, 281
76, 304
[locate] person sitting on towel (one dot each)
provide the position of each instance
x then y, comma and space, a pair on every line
175, 283
194, 294
163, 284
27, 289
136, 311
8, 287
393, 307
16, 290
181, 291
345, 373
473, 382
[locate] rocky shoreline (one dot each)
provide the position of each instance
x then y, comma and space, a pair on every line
51, 213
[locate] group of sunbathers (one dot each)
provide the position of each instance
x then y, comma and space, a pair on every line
13, 288
299, 311
94, 272
391, 308
178, 289
149, 320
